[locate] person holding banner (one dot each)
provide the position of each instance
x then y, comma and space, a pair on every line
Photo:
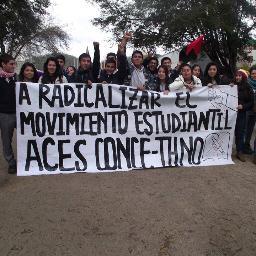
151, 71
8, 108
212, 76
197, 71
52, 73
186, 80
88, 72
245, 103
28, 73
251, 115
163, 80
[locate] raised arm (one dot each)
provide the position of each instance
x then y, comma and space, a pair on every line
123, 66
122, 46
96, 61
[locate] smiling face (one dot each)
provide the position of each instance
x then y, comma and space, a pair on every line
161, 74
152, 65
186, 72
51, 67
70, 71
137, 59
28, 73
167, 63
239, 78
110, 68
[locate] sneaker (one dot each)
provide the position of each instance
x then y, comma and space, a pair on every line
240, 156
12, 169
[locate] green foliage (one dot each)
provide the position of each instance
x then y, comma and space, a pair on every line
26, 28
226, 24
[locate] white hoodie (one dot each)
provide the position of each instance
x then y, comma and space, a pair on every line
179, 83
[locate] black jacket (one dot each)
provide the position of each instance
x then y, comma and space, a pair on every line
174, 74
82, 76
245, 96
7, 95
221, 80
119, 76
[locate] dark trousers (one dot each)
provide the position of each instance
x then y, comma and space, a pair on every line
255, 146
7, 126
250, 123
240, 131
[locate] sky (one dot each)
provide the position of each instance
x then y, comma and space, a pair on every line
75, 18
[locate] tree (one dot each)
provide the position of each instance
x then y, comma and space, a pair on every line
226, 24
27, 28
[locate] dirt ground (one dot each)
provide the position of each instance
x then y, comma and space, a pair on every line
176, 212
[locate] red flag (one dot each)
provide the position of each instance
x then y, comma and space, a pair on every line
192, 50
195, 45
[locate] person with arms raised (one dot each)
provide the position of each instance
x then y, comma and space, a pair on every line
136, 70
115, 69
87, 71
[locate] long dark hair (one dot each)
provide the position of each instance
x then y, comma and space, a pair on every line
166, 71
46, 76
24, 66
207, 78
167, 81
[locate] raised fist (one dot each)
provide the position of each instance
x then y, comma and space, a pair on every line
127, 36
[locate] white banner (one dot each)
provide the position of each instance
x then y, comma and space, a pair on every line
71, 128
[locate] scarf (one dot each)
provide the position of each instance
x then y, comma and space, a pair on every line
4, 74
252, 83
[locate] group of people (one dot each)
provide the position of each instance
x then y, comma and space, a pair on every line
142, 73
